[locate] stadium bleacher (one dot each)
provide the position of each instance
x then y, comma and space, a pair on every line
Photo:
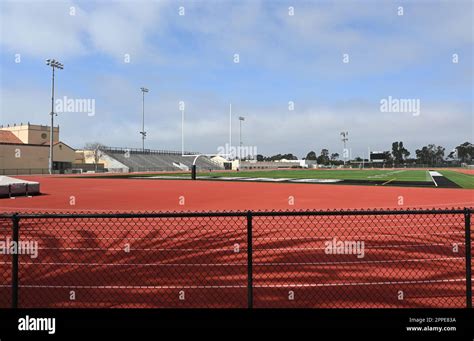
138, 160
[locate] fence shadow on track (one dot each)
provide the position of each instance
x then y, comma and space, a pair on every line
412, 258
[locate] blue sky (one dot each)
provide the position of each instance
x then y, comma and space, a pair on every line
282, 58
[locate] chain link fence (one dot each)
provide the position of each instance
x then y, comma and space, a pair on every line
304, 259
5, 263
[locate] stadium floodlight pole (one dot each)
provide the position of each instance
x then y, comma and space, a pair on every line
143, 132
230, 125
54, 65
344, 139
241, 119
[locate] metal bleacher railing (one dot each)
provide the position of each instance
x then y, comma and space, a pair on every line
292, 259
146, 151
139, 160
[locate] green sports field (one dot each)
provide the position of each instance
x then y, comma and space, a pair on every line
375, 175
400, 177
462, 179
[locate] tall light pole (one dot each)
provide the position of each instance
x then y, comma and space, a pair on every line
241, 119
54, 65
143, 132
344, 139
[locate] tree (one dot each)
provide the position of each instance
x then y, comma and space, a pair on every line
388, 157
399, 152
465, 152
94, 147
323, 159
281, 156
260, 157
311, 156
334, 156
439, 154
430, 155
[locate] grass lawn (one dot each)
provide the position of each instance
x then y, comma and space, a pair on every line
462, 179
344, 174
419, 175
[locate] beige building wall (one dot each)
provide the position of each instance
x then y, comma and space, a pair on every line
79, 157
17, 156
63, 153
33, 133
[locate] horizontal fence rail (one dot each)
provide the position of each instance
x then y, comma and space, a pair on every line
246, 259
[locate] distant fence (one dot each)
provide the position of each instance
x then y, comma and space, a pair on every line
294, 259
143, 151
39, 171
25, 171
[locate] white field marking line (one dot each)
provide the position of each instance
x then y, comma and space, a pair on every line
256, 228
421, 260
378, 176
299, 285
432, 179
388, 181
230, 249
310, 180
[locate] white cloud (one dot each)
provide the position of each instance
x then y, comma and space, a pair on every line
43, 29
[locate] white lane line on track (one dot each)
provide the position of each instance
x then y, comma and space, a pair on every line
231, 249
420, 260
294, 285
255, 238
256, 229
358, 283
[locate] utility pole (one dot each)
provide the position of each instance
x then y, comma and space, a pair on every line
54, 65
143, 132
241, 119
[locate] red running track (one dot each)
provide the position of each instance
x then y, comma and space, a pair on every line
194, 262
84, 194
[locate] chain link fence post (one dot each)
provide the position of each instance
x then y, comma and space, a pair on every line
467, 220
15, 238
249, 260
